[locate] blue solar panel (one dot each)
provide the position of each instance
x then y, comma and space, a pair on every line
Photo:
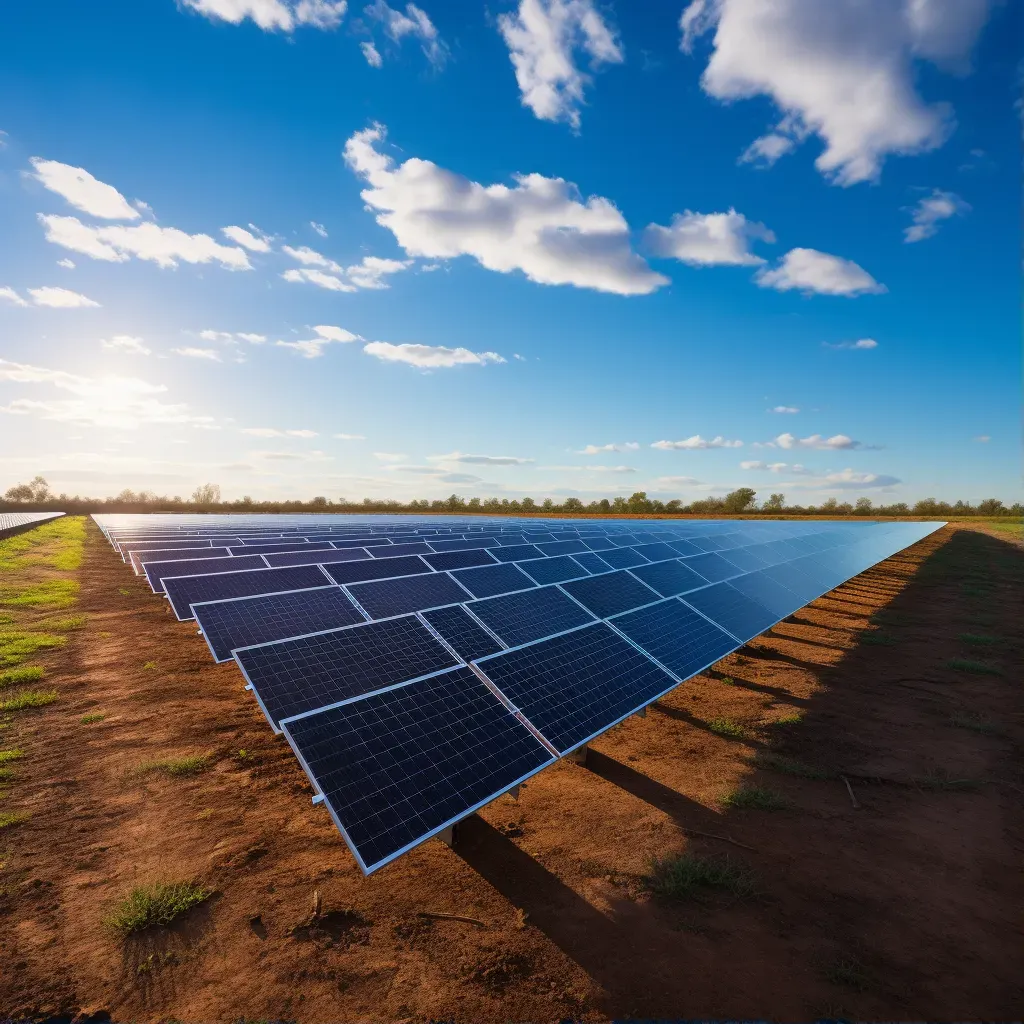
669, 578
805, 587
676, 636
592, 563
745, 559
383, 598
458, 559
398, 767
520, 618
624, 539
611, 593
394, 550
353, 542
299, 544
598, 543
562, 547
493, 579
459, 544
462, 632
239, 622
713, 567
656, 552
574, 686
516, 552
731, 610
552, 570
156, 571
506, 539
376, 569
316, 557
760, 587
623, 558
301, 674
184, 591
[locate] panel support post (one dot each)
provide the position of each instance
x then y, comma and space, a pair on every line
579, 755
514, 791
642, 713
447, 836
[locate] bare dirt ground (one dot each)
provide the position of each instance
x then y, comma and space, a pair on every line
905, 907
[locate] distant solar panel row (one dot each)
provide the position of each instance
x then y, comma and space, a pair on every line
11, 521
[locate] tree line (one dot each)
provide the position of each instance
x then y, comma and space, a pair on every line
38, 496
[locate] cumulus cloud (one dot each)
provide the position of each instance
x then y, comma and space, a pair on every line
160, 245
210, 354
82, 190
371, 272
429, 357
273, 15
272, 432
306, 275
126, 343
709, 239
837, 442
372, 55
596, 449
480, 460
843, 70
929, 211
696, 443
784, 409
60, 298
254, 240
818, 273
313, 348
311, 258
540, 226
543, 38
775, 467
116, 402
414, 24
862, 344
846, 480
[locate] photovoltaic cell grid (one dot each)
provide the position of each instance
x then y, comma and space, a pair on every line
10, 521
184, 591
584, 678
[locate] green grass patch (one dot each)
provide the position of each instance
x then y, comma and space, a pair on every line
90, 719
156, 905
18, 645
755, 798
973, 721
727, 681
768, 761
124, 591
149, 665
51, 594
61, 623
793, 718
976, 668
686, 875
7, 774
20, 676
728, 728
28, 699
9, 818
979, 639
57, 544
7, 756
176, 767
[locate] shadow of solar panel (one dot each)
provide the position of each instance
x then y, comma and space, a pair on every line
520, 618
562, 547
712, 566
242, 621
598, 543
552, 570
676, 636
316, 557
398, 767
384, 598
657, 552
184, 591
393, 550
489, 580
574, 686
157, 571
760, 587
458, 559
591, 562
623, 558
462, 632
376, 569
293, 676
669, 578
733, 611
610, 593
516, 553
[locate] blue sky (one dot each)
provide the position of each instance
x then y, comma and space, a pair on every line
300, 247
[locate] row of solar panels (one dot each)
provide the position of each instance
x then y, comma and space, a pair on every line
414, 698
10, 521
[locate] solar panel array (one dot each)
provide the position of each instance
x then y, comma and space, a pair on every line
420, 667
11, 521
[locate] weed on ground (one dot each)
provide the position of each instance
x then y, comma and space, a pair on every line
178, 767
847, 972
9, 818
977, 668
941, 780
684, 876
156, 905
727, 727
28, 699
50, 594
18, 645
20, 676
7, 756
90, 719
756, 798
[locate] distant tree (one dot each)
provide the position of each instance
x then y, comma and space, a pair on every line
529, 504
473, 503
37, 490
319, 501
863, 507
572, 505
988, 507
673, 505
247, 499
605, 505
775, 503
209, 494
548, 505
741, 500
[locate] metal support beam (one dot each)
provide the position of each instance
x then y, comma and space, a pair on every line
642, 713
514, 791
447, 836
579, 755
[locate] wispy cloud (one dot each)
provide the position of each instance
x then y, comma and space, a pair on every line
273, 432
930, 211
429, 357
250, 238
696, 443
480, 460
82, 190
597, 449
210, 354
313, 348
837, 442
273, 15
61, 298
862, 345
788, 410
125, 343
414, 23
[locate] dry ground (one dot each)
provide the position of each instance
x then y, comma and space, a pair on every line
906, 907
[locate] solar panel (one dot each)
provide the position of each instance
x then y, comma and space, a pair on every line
317, 557
462, 632
376, 569
611, 593
520, 618
731, 610
712, 567
552, 570
458, 559
298, 544
669, 578
156, 571
746, 559
591, 562
656, 552
458, 545
562, 547
598, 543
676, 636
298, 675
623, 558
393, 550
166, 554
516, 552
383, 598
575, 686
760, 587
242, 621
184, 591
493, 579
396, 768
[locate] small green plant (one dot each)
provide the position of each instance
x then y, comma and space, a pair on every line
757, 798
149, 665
727, 681
793, 718
940, 780
19, 676
727, 727
685, 875
847, 972
7, 756
61, 623
16, 646
972, 720
156, 905
976, 668
90, 719
7, 774
9, 818
177, 767
51, 594
28, 699
768, 761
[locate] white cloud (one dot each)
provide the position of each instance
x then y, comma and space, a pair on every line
119, 243
695, 443
60, 298
318, 228
312, 348
846, 480
311, 258
763, 152
373, 271
677, 481
429, 356
480, 460
314, 456
304, 275
838, 442
542, 38
863, 344
116, 402
66, 264
590, 469
272, 432
233, 337
775, 467
210, 354
389, 456
349, 437
8, 294
983, 438
372, 55
273, 15
414, 23
82, 190
930, 210
540, 226
785, 409
596, 449
254, 241
709, 239
843, 70
126, 343
819, 273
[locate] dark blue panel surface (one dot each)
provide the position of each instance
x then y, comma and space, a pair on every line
657, 552
317, 557
731, 610
394, 550
745, 559
397, 767
669, 578
520, 618
184, 591
516, 552
156, 571
462, 632
593, 563
299, 544
383, 598
458, 559
611, 593
623, 558
760, 587
574, 686
598, 543
493, 579
552, 570
684, 547
712, 566
172, 553
376, 569
562, 547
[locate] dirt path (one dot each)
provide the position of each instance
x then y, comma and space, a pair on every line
905, 907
